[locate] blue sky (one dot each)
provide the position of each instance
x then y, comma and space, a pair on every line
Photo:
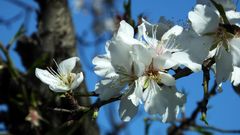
224, 108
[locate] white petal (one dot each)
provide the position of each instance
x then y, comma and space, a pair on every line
153, 100
103, 66
136, 96
164, 61
188, 46
164, 101
227, 4
46, 77
159, 29
59, 87
126, 29
183, 58
125, 34
77, 81
167, 79
67, 65
235, 79
235, 51
203, 19
127, 110
223, 65
142, 58
108, 89
233, 16
120, 55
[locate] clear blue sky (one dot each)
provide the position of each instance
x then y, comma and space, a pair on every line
224, 111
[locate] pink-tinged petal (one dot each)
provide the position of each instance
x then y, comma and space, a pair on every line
203, 19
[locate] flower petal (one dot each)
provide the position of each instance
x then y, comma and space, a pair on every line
187, 54
125, 29
164, 61
77, 81
46, 77
164, 101
127, 110
67, 65
233, 16
235, 79
103, 66
235, 51
167, 79
136, 96
142, 58
227, 4
203, 19
224, 65
108, 88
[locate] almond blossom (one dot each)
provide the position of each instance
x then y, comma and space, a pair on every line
224, 40
63, 79
138, 71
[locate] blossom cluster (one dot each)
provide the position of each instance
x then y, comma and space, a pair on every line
136, 66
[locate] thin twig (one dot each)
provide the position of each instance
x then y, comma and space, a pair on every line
9, 62
217, 129
191, 120
182, 73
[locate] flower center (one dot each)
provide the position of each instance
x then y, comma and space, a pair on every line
222, 36
153, 74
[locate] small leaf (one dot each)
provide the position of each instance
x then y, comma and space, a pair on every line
204, 118
95, 114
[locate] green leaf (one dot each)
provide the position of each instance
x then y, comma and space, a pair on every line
95, 114
204, 118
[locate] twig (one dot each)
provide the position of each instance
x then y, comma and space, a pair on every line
79, 109
206, 77
191, 120
217, 129
182, 73
9, 62
90, 94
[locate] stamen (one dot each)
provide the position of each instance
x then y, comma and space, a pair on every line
59, 70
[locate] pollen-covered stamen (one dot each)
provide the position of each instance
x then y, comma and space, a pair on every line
152, 73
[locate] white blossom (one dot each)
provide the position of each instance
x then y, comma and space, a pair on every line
63, 79
224, 43
140, 73
183, 46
